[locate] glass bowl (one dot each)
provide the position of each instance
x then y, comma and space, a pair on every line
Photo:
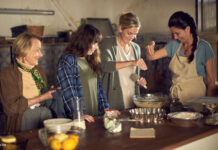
149, 100
57, 140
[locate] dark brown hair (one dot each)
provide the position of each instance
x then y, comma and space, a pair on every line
80, 43
181, 20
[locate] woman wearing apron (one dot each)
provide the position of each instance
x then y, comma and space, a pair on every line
191, 59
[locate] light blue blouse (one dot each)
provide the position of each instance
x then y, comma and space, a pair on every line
204, 53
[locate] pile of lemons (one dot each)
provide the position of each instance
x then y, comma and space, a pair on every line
62, 141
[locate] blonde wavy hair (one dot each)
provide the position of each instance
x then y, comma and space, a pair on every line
22, 44
129, 20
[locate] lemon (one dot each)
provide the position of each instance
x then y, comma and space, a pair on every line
50, 139
8, 139
61, 136
74, 137
69, 144
55, 144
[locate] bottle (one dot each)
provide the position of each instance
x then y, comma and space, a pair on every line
78, 120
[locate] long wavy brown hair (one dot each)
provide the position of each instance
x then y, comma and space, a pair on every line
80, 43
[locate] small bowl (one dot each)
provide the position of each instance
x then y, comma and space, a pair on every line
185, 119
59, 125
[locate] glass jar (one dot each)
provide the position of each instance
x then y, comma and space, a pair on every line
111, 122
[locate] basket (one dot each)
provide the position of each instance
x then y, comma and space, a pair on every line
37, 30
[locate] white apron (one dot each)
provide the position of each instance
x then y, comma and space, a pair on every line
186, 83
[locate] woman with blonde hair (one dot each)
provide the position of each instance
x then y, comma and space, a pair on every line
21, 86
121, 58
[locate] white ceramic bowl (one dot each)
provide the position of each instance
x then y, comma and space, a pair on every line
186, 119
58, 125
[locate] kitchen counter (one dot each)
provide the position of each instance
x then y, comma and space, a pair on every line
168, 136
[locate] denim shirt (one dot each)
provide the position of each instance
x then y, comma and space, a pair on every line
68, 77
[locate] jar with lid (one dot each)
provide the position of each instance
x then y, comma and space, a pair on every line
111, 121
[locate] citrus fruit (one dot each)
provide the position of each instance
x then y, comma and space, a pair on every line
55, 144
61, 136
69, 144
50, 139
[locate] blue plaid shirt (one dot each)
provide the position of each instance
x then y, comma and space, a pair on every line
68, 76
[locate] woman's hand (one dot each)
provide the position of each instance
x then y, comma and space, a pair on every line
88, 118
142, 82
157, 54
40, 98
141, 64
150, 48
47, 95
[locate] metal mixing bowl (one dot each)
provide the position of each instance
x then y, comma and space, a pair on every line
150, 115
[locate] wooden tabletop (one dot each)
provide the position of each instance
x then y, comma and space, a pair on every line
168, 136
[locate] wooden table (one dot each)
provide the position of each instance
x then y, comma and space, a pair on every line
168, 136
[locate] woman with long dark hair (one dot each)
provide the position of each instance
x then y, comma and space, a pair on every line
78, 73
191, 59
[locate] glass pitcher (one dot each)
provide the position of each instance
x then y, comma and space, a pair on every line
78, 113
